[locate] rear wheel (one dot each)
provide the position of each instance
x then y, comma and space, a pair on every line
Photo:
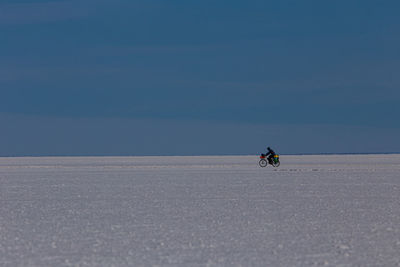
276, 164
263, 163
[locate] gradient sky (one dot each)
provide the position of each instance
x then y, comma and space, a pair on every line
126, 77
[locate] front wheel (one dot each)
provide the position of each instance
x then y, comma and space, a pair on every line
263, 163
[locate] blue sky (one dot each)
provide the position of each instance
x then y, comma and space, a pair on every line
198, 77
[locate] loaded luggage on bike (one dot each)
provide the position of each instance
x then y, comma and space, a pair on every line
271, 157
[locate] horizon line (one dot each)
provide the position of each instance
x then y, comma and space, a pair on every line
206, 155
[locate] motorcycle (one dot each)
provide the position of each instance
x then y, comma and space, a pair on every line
264, 161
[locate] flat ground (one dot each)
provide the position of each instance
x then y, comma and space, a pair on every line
200, 211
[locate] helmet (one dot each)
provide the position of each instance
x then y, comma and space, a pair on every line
268, 148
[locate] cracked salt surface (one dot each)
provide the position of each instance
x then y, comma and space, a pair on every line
200, 211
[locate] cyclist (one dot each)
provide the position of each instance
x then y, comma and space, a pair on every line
270, 154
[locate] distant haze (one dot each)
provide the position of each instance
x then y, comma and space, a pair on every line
198, 78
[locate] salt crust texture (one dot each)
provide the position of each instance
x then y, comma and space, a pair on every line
200, 211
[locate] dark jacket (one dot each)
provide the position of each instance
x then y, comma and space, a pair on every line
270, 152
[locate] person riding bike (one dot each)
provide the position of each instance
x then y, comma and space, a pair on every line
270, 155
